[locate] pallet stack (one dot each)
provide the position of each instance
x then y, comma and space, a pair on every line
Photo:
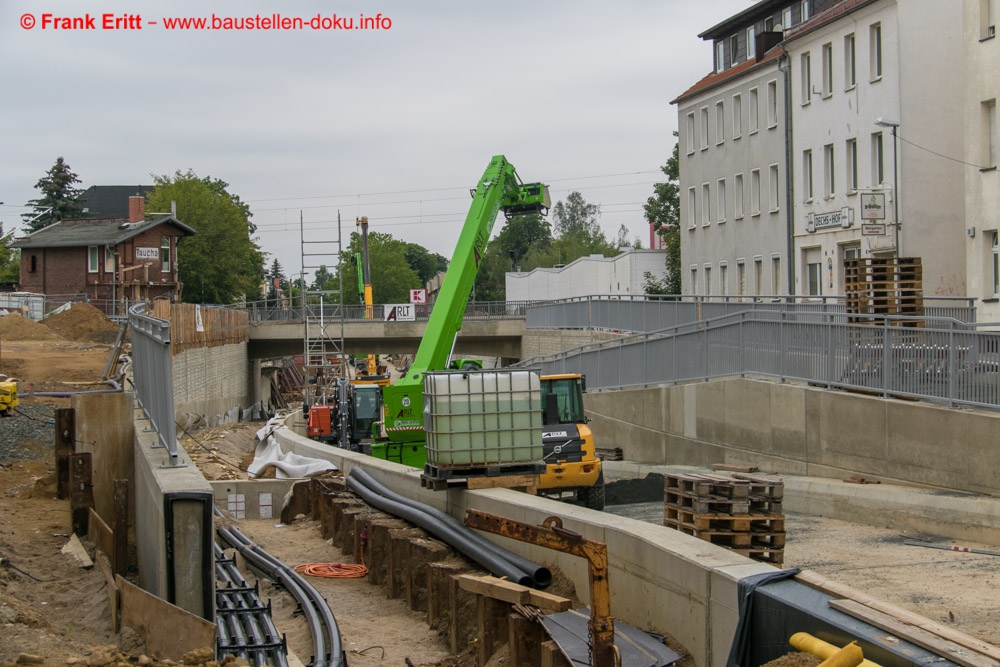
742, 513
884, 286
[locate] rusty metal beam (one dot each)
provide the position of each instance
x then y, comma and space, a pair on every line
552, 535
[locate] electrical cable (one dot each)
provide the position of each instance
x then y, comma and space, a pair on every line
5, 562
337, 570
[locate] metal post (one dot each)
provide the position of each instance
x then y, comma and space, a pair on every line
895, 189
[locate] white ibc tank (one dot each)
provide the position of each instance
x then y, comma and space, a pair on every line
482, 418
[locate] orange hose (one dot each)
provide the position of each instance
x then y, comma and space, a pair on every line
334, 570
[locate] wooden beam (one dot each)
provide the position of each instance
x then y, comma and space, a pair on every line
961, 655
119, 560
497, 589
548, 601
81, 497
65, 445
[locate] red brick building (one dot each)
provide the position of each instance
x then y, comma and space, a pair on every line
108, 261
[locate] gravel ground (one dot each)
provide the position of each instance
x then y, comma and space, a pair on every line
34, 422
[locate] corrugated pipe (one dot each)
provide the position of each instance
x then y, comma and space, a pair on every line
461, 540
540, 575
115, 388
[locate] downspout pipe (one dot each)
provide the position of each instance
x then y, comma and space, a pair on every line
541, 576
784, 64
460, 540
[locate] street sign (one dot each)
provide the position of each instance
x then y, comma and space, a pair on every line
873, 229
400, 312
873, 206
418, 296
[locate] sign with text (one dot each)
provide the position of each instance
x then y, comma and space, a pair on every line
873, 206
873, 229
418, 296
400, 312
147, 253
823, 220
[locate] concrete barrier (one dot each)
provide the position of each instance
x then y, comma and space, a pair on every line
661, 580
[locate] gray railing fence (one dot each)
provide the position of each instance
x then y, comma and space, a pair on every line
152, 375
944, 360
268, 311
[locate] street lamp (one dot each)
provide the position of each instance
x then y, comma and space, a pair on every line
885, 122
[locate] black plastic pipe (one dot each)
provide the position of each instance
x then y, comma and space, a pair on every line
540, 575
460, 540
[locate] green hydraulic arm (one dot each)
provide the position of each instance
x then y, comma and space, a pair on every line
499, 189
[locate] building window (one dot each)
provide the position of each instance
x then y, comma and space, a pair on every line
109, 259
165, 254
741, 277
990, 133
775, 275
704, 128
754, 110
706, 203
827, 70
769, 24
807, 175
850, 71
786, 18
720, 197
758, 275
692, 212
708, 279
755, 192
694, 279
723, 279
852, 166
737, 116
814, 278
751, 43
852, 251
720, 122
690, 133
32, 263
878, 159
875, 44
806, 61
772, 104
772, 190
734, 46
987, 19
738, 197
93, 259
720, 52
829, 179
805, 9
996, 263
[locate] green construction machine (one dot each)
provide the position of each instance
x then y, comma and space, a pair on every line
499, 189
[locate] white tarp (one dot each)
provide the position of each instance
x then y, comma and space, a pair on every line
287, 466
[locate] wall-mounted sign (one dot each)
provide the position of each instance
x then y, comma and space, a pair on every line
147, 253
418, 296
400, 312
872, 229
873, 206
841, 218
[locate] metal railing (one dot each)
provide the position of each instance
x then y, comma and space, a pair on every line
269, 311
944, 360
152, 375
651, 313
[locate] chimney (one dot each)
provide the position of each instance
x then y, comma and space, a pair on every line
136, 208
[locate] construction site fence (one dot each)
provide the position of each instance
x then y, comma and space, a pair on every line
152, 375
195, 326
270, 311
942, 360
640, 314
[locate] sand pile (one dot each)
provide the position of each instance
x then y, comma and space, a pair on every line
83, 322
16, 327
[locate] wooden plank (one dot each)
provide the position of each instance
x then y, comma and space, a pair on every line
548, 601
911, 633
74, 549
552, 656
81, 495
502, 481
524, 639
168, 630
113, 594
493, 627
65, 445
497, 589
119, 560
725, 467
820, 582
100, 533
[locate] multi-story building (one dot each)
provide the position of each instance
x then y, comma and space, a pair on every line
982, 183
873, 90
824, 106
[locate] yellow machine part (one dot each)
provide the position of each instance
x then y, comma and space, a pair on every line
8, 396
574, 474
832, 656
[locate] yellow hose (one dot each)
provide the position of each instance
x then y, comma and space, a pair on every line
805, 642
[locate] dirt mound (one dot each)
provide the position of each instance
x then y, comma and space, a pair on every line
16, 327
82, 322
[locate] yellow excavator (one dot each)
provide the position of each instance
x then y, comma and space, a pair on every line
367, 369
8, 397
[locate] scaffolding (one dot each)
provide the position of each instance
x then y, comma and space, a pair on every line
323, 359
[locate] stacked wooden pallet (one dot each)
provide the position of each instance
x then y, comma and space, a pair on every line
742, 513
884, 286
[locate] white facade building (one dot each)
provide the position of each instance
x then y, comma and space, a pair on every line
862, 72
589, 276
982, 183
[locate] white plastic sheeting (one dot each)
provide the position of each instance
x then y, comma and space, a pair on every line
287, 466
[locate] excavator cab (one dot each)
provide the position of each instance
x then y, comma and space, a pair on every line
530, 198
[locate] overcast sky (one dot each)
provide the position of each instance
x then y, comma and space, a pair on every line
395, 124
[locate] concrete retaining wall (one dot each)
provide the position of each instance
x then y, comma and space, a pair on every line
211, 381
538, 342
799, 430
661, 580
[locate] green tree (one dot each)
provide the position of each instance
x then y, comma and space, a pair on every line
10, 259
576, 217
321, 277
275, 271
58, 200
391, 274
221, 221
664, 211
425, 263
507, 252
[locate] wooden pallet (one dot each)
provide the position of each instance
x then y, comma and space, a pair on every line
762, 523
704, 486
609, 453
734, 539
